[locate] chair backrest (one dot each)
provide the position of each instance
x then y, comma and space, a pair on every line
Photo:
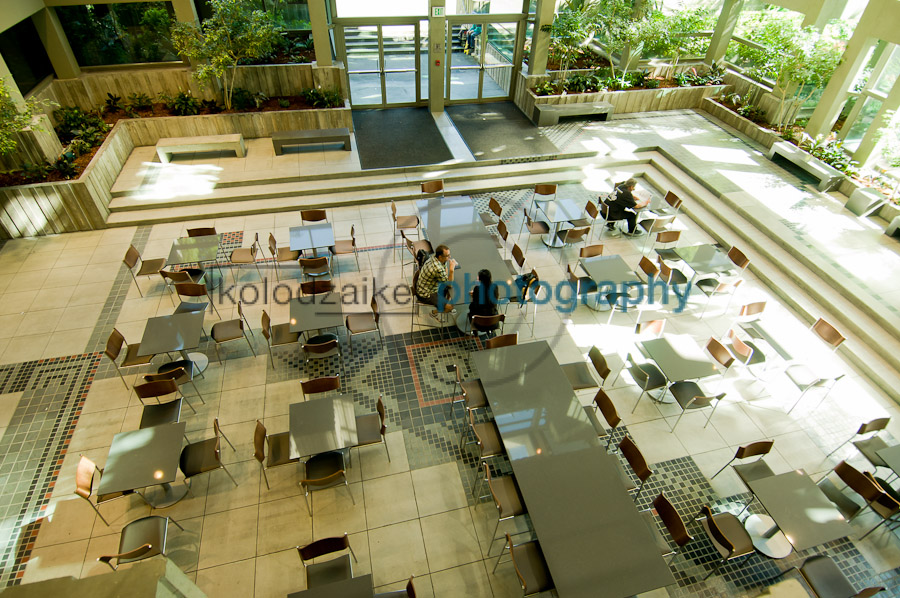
828, 333
718, 536
518, 256
503, 340
312, 262
84, 477
599, 363
114, 344
739, 347
176, 276
131, 256
316, 287
375, 314
495, 207
876, 425
753, 449
669, 236
433, 186
487, 322
312, 215
318, 348
575, 235
205, 231
591, 209
502, 230
590, 251
672, 520
273, 246
259, 442
640, 376
660, 224
857, 481
157, 388
474, 430
178, 375
648, 267
738, 258
410, 588
665, 272
241, 315
752, 309
323, 547
191, 289
266, 322
353, 235
517, 567
635, 459
604, 210
545, 189
607, 408
317, 385
673, 200
654, 327
719, 352
379, 407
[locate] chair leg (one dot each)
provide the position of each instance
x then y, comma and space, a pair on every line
306, 500
347, 486
184, 398
226, 438
189, 489
99, 514
641, 396
723, 468
197, 390
249, 344
386, 451
873, 529
679, 419
134, 278
265, 477
121, 376
178, 525
229, 474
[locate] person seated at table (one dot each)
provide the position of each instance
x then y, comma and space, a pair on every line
439, 268
624, 207
485, 297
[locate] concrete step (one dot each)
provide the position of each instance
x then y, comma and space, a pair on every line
873, 342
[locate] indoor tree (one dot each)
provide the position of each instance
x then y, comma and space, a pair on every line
238, 30
16, 117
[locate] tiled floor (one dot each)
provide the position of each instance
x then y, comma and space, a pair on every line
412, 515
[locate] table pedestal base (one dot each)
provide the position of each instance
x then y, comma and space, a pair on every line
201, 361
766, 536
165, 495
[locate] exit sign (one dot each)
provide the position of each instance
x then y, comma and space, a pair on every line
437, 11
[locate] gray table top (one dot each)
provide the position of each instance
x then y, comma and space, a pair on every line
705, 259
891, 456
562, 209
172, 333
313, 312
454, 221
142, 458
757, 330
194, 250
312, 236
800, 509
591, 534
355, 587
321, 425
609, 268
679, 357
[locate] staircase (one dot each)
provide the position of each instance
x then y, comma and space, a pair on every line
397, 39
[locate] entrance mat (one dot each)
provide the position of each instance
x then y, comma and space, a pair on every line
499, 130
398, 137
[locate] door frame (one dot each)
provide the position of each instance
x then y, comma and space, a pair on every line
483, 20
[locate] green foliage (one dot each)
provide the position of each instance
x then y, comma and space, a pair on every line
284, 103
65, 165
15, 118
715, 75
73, 122
236, 31
36, 171
130, 112
242, 99
140, 101
889, 139
322, 98
210, 106
573, 28
831, 151
184, 104
113, 104
79, 147
547, 88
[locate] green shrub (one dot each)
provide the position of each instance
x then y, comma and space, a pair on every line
242, 99
79, 147
113, 104
184, 104
65, 165
36, 172
210, 106
547, 88
140, 101
284, 103
74, 122
831, 151
323, 98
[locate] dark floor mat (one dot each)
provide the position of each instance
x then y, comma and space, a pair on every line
499, 130
398, 137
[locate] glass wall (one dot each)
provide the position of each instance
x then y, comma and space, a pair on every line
292, 14
104, 34
25, 55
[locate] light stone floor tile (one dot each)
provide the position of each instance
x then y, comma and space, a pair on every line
96, 430
438, 489
279, 574
58, 560
373, 461
334, 513
225, 537
232, 579
450, 539
468, 580
389, 499
67, 342
398, 551
283, 524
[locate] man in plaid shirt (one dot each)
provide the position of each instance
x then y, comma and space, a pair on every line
439, 268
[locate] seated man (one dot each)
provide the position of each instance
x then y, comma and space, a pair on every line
624, 206
439, 268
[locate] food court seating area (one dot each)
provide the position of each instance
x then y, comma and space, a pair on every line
416, 459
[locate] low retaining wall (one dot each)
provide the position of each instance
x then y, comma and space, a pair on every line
761, 135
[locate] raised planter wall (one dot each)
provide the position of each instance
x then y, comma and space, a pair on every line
33, 146
755, 132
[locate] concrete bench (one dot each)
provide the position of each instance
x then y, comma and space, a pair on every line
827, 176
865, 202
546, 115
283, 138
205, 143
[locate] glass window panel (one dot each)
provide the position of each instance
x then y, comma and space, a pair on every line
889, 75
102, 34
484, 7
400, 63
425, 56
498, 59
464, 83
25, 55
362, 48
861, 124
365, 89
400, 87
367, 8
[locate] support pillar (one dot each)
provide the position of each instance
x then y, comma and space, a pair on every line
186, 12
728, 18
540, 40
830, 9
318, 21
56, 44
437, 54
869, 142
835, 93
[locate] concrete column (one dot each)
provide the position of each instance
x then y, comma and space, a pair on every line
7, 77
318, 19
186, 12
540, 40
56, 44
869, 143
830, 9
835, 92
437, 54
731, 10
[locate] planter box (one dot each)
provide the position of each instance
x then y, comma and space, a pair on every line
83, 203
623, 102
761, 135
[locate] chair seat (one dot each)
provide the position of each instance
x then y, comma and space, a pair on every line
196, 274
579, 375
656, 379
756, 357
102, 498
337, 569
581, 222
286, 254
186, 307
151, 266
678, 277
343, 246
684, 392
532, 567
227, 330
538, 227
825, 578
368, 429
242, 255
157, 415
186, 364
668, 255
280, 450
358, 323
488, 219
801, 375
282, 335
422, 245
591, 412
753, 471
198, 457
132, 357
407, 222
491, 446
475, 397
734, 530
146, 530
508, 496
317, 270
870, 447
322, 466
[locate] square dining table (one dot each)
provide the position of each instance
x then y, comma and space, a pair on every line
355, 587
321, 425
315, 312
144, 458
705, 259
679, 357
311, 236
560, 210
177, 332
196, 250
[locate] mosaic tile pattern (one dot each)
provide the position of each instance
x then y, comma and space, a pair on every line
32, 449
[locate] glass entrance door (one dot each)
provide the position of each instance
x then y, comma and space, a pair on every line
481, 59
383, 64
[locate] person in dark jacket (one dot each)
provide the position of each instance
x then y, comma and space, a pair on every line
625, 207
485, 297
